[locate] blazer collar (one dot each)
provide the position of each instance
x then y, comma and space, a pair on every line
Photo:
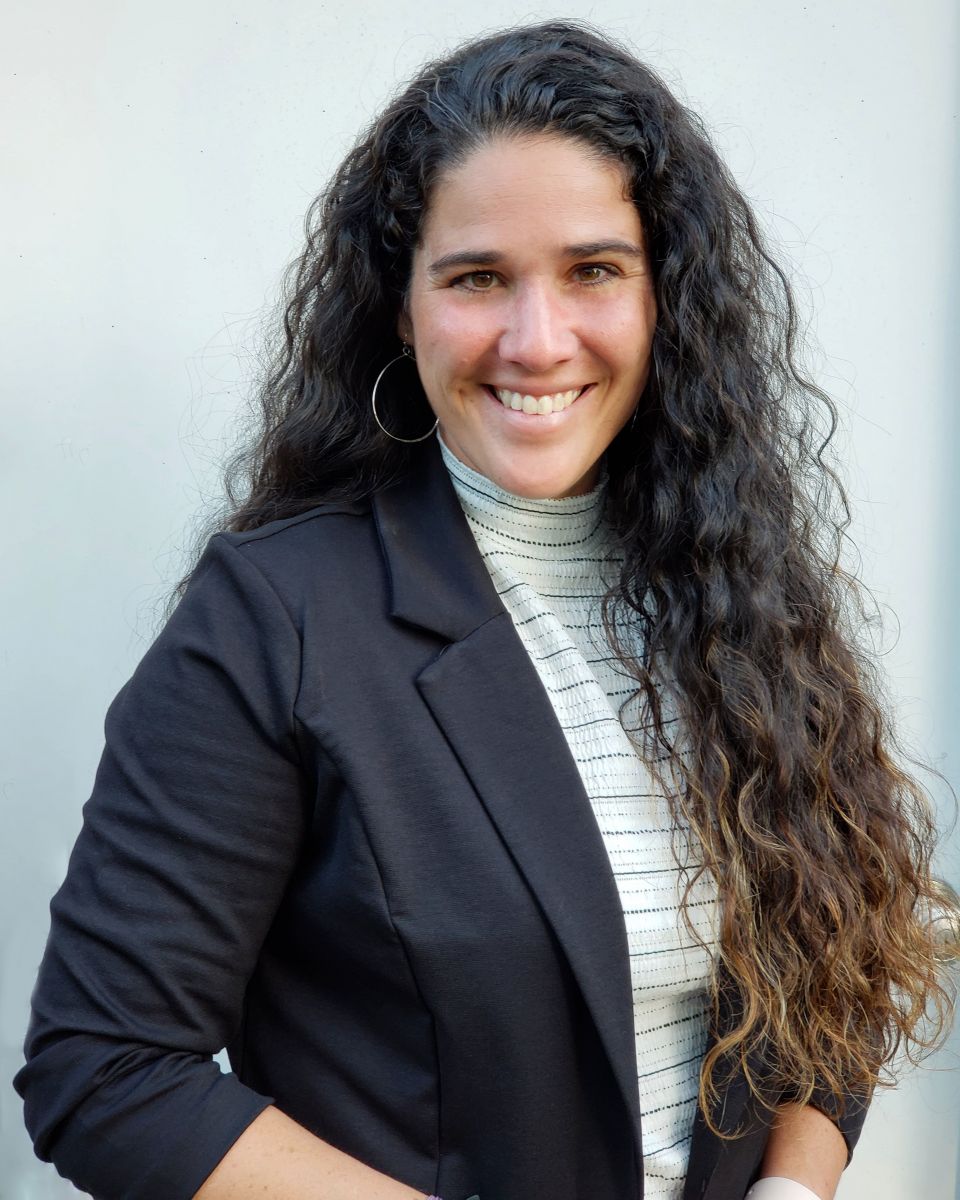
438, 580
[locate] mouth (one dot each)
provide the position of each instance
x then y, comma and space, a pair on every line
536, 406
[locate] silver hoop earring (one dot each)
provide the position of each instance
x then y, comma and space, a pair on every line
407, 353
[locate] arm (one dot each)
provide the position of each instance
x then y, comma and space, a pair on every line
194, 826
277, 1159
806, 1146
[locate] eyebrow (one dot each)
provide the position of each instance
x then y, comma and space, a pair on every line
489, 258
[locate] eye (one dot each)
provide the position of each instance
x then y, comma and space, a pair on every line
476, 281
594, 273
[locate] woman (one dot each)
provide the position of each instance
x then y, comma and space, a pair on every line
507, 791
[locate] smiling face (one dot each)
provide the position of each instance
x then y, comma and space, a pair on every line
531, 311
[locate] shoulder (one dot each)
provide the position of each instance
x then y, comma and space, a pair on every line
314, 523
305, 559
325, 528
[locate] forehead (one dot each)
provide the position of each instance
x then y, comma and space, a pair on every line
531, 193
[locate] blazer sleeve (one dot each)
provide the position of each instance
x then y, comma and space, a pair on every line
188, 840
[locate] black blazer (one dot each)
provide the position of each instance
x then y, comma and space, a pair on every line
337, 828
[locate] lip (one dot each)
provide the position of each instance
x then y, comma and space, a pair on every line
548, 419
537, 392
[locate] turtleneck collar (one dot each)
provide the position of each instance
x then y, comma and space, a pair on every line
555, 524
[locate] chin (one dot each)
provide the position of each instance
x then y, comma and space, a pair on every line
543, 486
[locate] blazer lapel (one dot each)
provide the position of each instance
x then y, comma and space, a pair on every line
487, 698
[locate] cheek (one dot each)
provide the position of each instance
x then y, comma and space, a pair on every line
453, 342
632, 324
446, 365
620, 335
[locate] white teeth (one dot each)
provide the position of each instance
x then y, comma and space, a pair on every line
537, 405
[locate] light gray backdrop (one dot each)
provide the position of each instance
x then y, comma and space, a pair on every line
156, 162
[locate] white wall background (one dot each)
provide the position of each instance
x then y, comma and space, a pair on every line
157, 160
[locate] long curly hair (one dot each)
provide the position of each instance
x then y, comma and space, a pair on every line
732, 603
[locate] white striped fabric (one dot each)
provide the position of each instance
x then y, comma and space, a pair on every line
547, 561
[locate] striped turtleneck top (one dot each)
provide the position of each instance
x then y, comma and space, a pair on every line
548, 560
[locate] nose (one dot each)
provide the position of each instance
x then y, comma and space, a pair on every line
539, 332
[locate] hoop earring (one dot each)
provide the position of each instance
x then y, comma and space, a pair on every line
407, 353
